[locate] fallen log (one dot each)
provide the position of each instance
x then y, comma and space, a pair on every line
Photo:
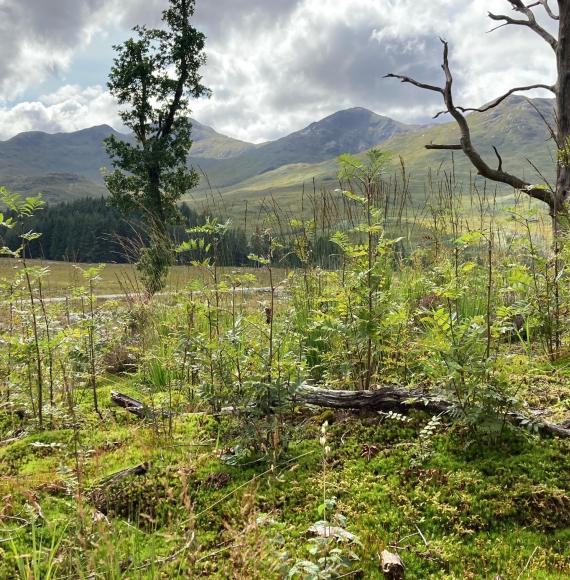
392, 566
137, 470
392, 398
129, 404
384, 398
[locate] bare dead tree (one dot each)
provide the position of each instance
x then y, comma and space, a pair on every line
556, 197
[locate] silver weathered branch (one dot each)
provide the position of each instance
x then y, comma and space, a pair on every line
500, 99
546, 6
465, 142
448, 147
406, 79
529, 22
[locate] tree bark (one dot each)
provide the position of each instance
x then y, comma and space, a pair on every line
129, 404
562, 113
392, 398
385, 398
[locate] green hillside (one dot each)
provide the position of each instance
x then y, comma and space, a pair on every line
350, 131
516, 128
211, 144
68, 166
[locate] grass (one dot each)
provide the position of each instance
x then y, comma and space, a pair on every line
63, 276
481, 510
234, 476
514, 128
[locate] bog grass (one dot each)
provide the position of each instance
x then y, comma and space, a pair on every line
116, 278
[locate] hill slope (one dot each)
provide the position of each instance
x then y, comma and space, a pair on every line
516, 128
65, 166
350, 131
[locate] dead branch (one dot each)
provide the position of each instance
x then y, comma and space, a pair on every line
137, 470
500, 99
498, 175
406, 79
448, 147
546, 6
129, 404
392, 566
500, 167
530, 21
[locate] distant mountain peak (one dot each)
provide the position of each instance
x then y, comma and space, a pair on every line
67, 165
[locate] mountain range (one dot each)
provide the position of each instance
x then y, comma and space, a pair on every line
67, 166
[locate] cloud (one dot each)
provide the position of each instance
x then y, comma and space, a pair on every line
69, 109
271, 76
38, 39
276, 65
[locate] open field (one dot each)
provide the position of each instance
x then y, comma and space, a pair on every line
63, 277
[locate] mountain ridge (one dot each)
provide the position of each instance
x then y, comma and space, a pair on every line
68, 165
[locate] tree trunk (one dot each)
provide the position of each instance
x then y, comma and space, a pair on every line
157, 220
559, 209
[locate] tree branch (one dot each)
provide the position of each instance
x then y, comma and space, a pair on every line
466, 144
546, 6
448, 147
500, 99
530, 22
405, 79
500, 167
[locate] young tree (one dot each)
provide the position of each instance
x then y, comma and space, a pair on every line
555, 196
154, 75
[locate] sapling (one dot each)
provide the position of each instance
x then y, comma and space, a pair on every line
92, 276
23, 209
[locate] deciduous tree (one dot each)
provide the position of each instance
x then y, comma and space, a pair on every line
153, 77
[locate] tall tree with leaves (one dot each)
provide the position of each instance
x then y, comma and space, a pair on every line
153, 77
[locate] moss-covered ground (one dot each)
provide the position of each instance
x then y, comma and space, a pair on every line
449, 505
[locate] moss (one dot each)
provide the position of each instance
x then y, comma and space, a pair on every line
482, 508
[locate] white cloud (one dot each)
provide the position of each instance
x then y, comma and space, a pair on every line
69, 109
329, 54
276, 65
38, 39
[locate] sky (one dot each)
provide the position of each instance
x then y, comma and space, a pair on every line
274, 66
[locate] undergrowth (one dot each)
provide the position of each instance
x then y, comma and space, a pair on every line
220, 470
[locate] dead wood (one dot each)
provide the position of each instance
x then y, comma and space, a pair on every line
392, 565
392, 398
384, 398
129, 404
137, 470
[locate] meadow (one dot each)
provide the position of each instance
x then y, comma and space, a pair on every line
174, 436
119, 279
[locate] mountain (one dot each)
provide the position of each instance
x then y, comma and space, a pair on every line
349, 131
66, 166
516, 127
208, 143
69, 165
